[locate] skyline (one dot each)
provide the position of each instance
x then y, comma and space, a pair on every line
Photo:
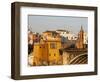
44, 23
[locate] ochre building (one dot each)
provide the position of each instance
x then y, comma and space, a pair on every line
46, 52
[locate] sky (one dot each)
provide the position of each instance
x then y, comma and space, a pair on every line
40, 23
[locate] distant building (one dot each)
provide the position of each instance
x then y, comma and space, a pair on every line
67, 34
33, 37
82, 39
62, 32
85, 38
50, 35
30, 41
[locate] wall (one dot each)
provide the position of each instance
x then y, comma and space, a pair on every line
5, 40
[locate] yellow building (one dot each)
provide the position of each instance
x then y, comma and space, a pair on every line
40, 54
54, 57
53, 40
47, 51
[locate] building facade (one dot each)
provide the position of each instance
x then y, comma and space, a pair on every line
40, 54
46, 52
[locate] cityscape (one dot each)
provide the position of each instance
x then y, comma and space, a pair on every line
57, 47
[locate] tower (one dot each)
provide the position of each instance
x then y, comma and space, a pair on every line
80, 40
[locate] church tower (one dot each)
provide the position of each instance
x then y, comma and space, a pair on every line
80, 40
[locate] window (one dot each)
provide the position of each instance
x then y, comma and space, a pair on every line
54, 54
53, 45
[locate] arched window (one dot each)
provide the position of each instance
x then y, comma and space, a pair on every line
54, 54
53, 45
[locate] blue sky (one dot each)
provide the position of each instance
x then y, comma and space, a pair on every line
40, 23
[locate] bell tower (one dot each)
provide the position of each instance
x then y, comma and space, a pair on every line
80, 40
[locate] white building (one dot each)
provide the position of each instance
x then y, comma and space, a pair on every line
85, 38
67, 34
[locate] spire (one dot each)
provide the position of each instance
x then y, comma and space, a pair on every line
81, 28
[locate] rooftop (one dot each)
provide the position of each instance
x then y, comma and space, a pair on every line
61, 30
